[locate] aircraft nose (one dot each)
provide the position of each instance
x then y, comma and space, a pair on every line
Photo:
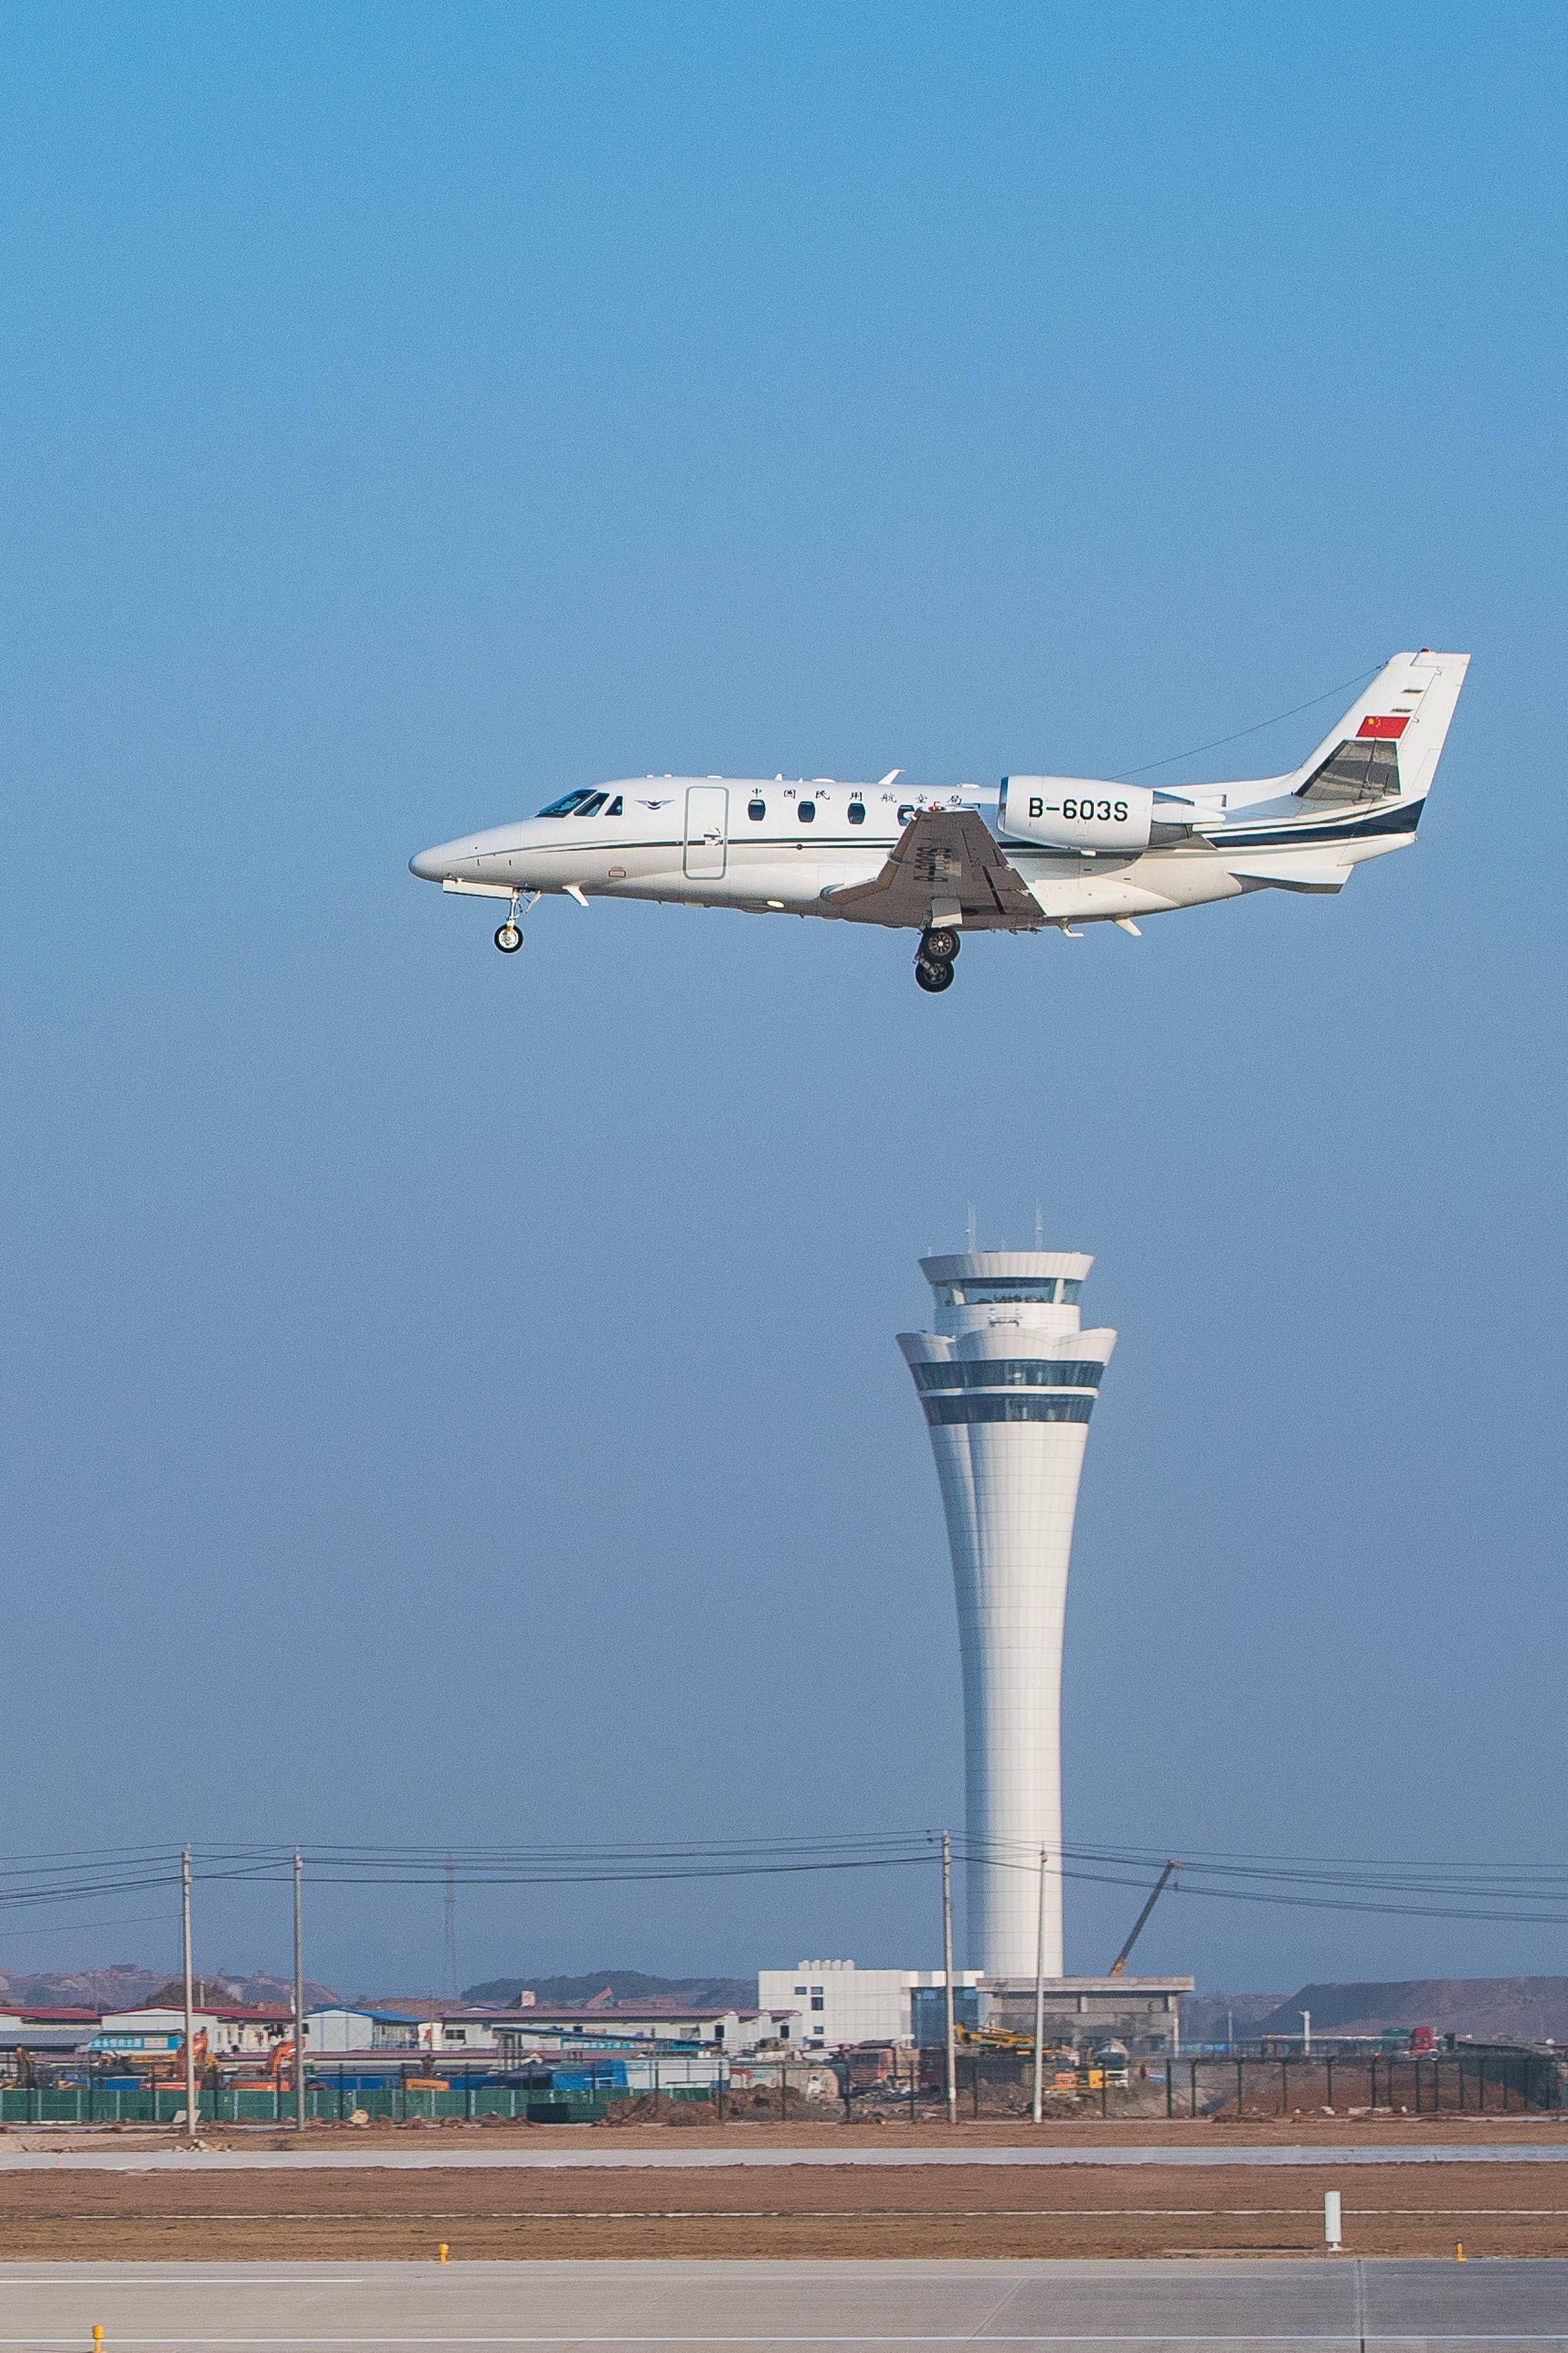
429, 864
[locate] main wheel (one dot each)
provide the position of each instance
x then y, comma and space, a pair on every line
509, 939
942, 945
933, 972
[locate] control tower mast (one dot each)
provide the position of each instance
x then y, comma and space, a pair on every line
1009, 1381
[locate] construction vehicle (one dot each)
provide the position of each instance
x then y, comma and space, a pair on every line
1120, 1963
992, 2038
1113, 2063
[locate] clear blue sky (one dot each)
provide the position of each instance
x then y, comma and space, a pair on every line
450, 1396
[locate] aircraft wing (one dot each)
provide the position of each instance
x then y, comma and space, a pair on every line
946, 867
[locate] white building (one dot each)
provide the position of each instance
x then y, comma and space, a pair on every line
555, 2031
834, 2002
330, 2032
252, 2029
1009, 1381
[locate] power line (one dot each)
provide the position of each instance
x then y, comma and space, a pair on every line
1513, 1895
1256, 729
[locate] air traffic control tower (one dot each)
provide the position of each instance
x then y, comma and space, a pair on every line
1009, 1381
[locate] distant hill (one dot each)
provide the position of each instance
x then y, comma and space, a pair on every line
1488, 2010
216, 1993
123, 1987
609, 1988
126, 1986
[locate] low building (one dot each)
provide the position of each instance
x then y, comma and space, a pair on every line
834, 2003
458, 2030
1145, 2013
332, 2031
240, 2028
556, 2031
46, 2030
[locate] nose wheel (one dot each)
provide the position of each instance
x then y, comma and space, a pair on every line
934, 958
509, 939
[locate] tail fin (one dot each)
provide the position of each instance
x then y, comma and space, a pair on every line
1386, 746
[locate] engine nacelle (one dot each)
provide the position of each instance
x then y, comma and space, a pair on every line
1076, 813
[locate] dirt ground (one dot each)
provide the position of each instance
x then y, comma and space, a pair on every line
1382, 2129
759, 2211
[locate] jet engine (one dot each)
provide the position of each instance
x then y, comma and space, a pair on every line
1076, 813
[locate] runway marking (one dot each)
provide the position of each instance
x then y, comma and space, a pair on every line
120, 2220
109, 2159
1076, 2336
927, 2215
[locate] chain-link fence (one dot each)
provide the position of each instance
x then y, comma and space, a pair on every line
1479, 2079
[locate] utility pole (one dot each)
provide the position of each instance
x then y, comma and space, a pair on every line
299, 2005
1306, 2034
1039, 2106
190, 1996
449, 1951
947, 1978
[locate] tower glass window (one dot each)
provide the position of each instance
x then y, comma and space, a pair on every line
1010, 1373
1059, 1408
981, 1291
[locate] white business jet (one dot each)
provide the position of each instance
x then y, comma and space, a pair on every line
1042, 851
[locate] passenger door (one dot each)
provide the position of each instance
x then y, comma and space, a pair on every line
707, 832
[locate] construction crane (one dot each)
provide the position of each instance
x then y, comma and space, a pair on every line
1120, 1963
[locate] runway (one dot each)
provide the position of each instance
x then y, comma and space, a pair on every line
563, 2155
1346, 2305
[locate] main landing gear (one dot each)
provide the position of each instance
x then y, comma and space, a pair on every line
934, 958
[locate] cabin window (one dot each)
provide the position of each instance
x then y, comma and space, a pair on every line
756, 811
857, 812
906, 811
807, 812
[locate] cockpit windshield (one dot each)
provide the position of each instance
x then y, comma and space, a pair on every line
574, 804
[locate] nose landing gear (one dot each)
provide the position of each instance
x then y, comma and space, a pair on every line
934, 958
509, 939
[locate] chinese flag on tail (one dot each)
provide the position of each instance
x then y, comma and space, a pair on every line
1394, 726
